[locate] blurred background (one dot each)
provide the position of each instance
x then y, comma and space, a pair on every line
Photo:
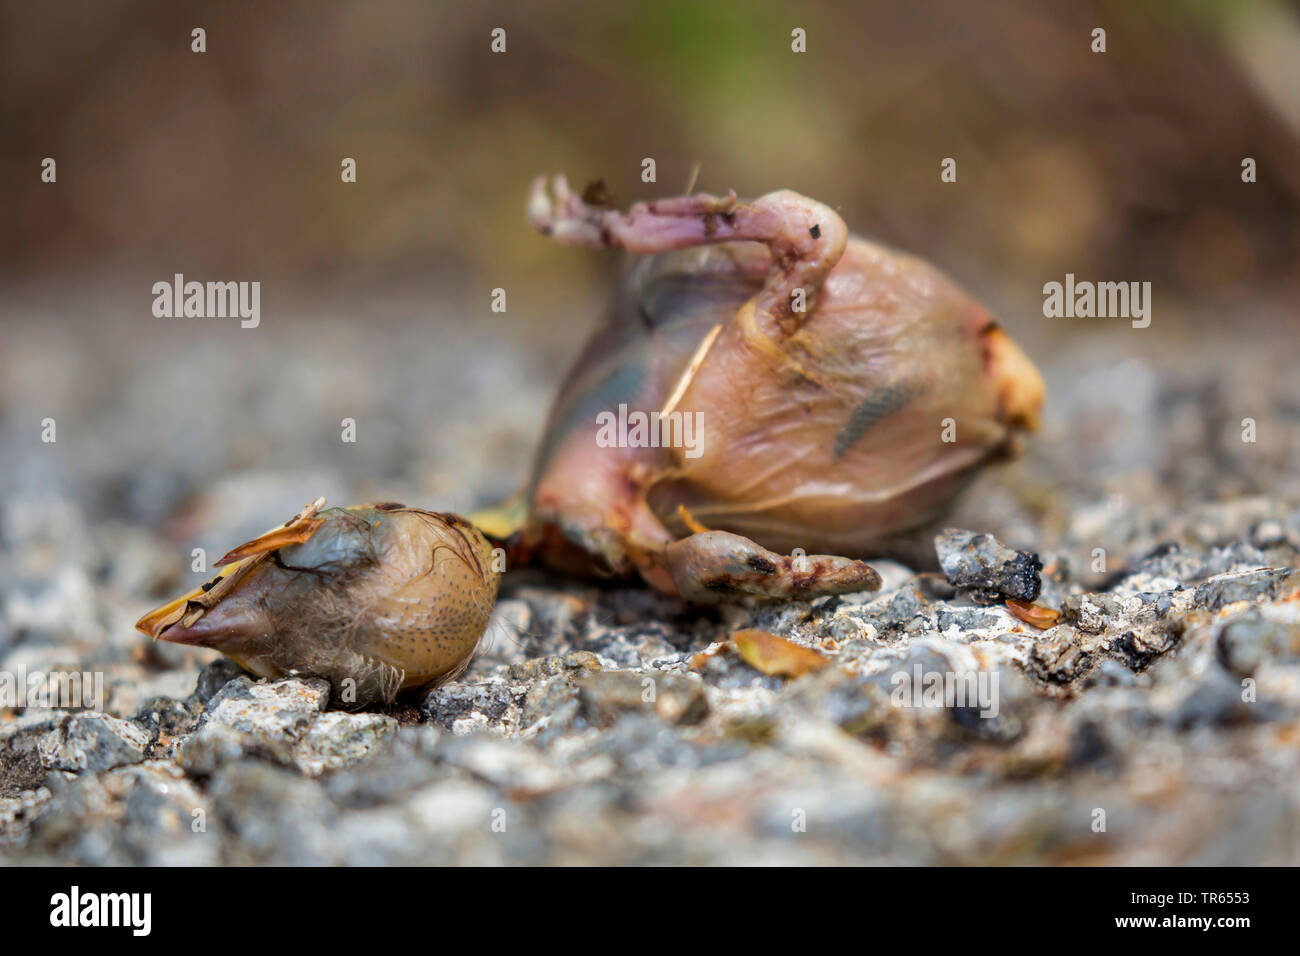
376, 307
375, 297
228, 161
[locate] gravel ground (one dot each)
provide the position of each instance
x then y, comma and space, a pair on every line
1157, 722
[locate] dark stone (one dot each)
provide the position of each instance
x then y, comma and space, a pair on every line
986, 568
214, 677
1215, 701
164, 719
1250, 586
445, 705
20, 762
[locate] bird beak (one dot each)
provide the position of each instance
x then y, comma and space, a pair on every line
182, 620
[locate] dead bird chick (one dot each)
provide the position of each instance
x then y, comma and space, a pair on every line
376, 599
775, 383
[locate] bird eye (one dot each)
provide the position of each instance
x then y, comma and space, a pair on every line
344, 543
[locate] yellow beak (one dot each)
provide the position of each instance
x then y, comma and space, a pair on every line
235, 565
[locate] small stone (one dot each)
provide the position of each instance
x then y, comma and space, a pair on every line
265, 719
446, 705
165, 720
276, 707
607, 695
1247, 640
214, 677
338, 739
899, 609
556, 664
1141, 645
21, 768
1225, 589
967, 619
846, 627
273, 816
1215, 700
550, 705
1110, 673
1089, 613
1058, 657
93, 741
1268, 533
988, 569
202, 753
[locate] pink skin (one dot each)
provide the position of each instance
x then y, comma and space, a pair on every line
822, 424
805, 237
599, 501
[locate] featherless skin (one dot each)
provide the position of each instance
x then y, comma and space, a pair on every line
376, 599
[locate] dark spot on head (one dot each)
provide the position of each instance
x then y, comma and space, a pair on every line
389, 506
597, 194
815, 232
759, 563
